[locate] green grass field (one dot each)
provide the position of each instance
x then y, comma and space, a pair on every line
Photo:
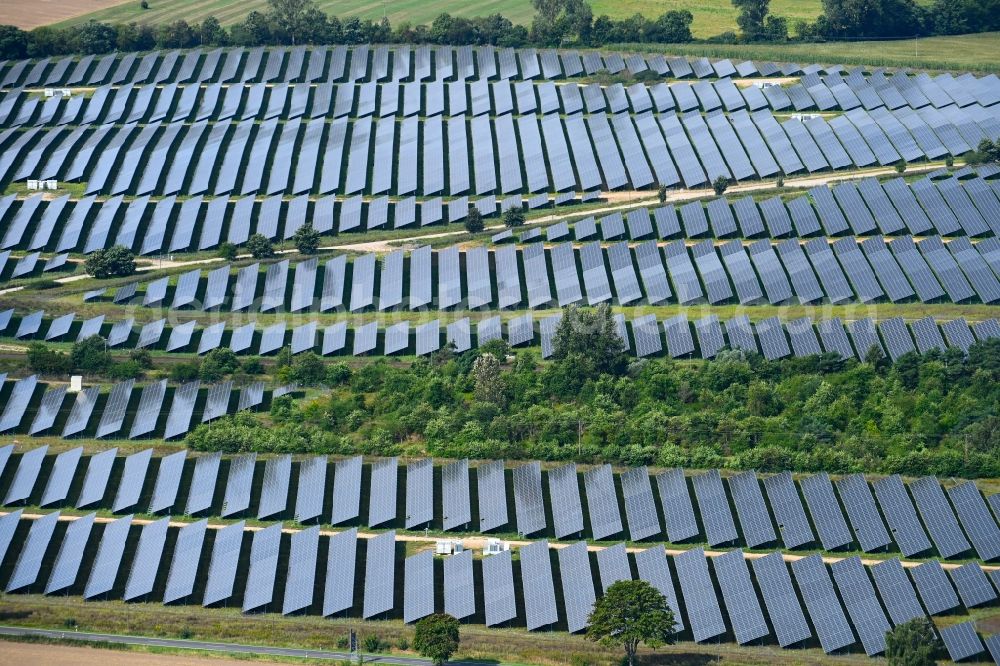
977, 53
711, 17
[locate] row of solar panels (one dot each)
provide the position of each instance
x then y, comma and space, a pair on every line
393, 63
954, 525
134, 562
190, 103
508, 276
126, 410
481, 155
945, 205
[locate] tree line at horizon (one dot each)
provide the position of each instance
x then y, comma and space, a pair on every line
556, 23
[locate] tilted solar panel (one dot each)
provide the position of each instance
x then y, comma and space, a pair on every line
459, 585
263, 569
498, 589
821, 601
107, 562
740, 597
380, 574
300, 577
825, 511
338, 594
900, 515
146, 561
751, 509
780, 599
704, 614
184, 565
863, 513
29, 561
66, 568
932, 584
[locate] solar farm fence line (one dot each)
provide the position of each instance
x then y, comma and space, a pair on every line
957, 522
760, 594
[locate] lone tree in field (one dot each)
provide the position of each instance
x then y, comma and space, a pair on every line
474, 221
436, 637
260, 247
913, 643
306, 239
117, 261
631, 612
720, 185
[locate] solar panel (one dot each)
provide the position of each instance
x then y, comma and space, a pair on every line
380, 574
821, 601
184, 565
492, 492
456, 506
577, 585
274, 490
310, 490
740, 597
938, 517
528, 502
932, 584
301, 574
382, 504
418, 582
862, 604
675, 502
961, 641
146, 414
17, 402
602, 502
972, 584
714, 507
459, 586
132, 481
901, 516
704, 614
537, 585
66, 568
107, 562
419, 493
61, 477
29, 562
23, 483
825, 511
751, 509
338, 594
780, 599
498, 589
868, 528
640, 508
975, 518
564, 492
612, 564
262, 571
897, 592
146, 560
48, 409
181, 410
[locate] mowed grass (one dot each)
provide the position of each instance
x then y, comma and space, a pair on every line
711, 17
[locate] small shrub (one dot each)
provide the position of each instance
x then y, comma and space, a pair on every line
513, 217
70, 622
184, 372
403, 644
306, 239
900, 166
474, 221
144, 4
260, 247
227, 251
372, 643
343, 642
186, 633
117, 261
720, 185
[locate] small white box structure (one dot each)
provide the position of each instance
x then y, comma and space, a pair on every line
51, 184
804, 116
495, 547
448, 547
58, 92
33, 185
76, 383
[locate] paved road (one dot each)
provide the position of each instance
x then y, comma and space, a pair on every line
214, 647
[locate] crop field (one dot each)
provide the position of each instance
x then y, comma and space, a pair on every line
710, 18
